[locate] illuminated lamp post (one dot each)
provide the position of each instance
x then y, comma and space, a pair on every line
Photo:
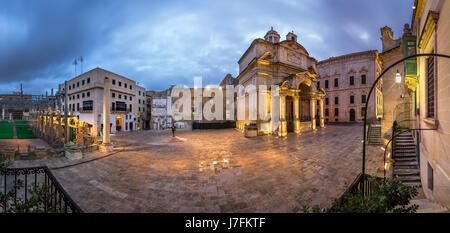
398, 79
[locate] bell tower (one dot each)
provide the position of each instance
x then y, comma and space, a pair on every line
272, 36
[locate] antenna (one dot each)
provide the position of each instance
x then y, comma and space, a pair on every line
81, 61
75, 63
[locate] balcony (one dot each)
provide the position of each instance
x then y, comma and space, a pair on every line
120, 110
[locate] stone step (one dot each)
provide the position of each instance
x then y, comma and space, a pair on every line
405, 155
409, 178
406, 159
412, 183
406, 171
405, 163
405, 151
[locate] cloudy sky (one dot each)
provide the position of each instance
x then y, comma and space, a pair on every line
159, 43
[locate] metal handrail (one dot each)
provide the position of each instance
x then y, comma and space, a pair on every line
60, 198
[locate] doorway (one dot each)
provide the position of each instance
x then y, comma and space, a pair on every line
352, 114
289, 114
119, 123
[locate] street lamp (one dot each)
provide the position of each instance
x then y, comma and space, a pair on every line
398, 77
368, 100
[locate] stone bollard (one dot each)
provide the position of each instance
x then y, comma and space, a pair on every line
9, 152
72, 152
41, 152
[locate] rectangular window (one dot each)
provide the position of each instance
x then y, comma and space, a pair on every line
318, 84
125, 85
78, 106
113, 95
352, 81
88, 80
363, 79
352, 99
120, 83
88, 94
326, 112
113, 106
82, 95
121, 106
430, 87
114, 82
73, 86
336, 100
78, 96
363, 99
78, 84
125, 97
131, 98
139, 101
336, 112
326, 84
336, 82
70, 87
131, 87
88, 105
82, 82
430, 177
326, 101
120, 96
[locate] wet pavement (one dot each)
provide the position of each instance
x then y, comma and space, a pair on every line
217, 171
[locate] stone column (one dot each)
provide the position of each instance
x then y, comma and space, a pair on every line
312, 111
321, 111
282, 128
52, 129
296, 115
60, 128
66, 113
106, 145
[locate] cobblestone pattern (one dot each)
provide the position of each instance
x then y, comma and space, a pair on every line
218, 171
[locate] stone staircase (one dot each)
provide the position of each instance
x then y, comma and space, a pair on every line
406, 164
374, 135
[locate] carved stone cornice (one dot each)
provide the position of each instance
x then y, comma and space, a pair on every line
429, 28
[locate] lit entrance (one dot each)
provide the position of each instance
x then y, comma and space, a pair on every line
119, 123
290, 113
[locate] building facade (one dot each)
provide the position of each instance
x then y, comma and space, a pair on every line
285, 64
85, 101
347, 80
431, 27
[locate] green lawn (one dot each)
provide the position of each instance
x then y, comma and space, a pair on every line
23, 130
6, 130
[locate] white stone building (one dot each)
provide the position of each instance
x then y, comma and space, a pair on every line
85, 95
347, 80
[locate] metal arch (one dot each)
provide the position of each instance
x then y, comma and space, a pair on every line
368, 99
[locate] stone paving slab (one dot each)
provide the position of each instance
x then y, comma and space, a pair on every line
218, 171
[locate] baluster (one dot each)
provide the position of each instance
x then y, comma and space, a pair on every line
26, 183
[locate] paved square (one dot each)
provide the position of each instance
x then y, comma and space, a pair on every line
218, 171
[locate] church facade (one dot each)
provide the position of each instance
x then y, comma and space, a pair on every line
287, 65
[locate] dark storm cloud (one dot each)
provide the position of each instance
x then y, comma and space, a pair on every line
169, 42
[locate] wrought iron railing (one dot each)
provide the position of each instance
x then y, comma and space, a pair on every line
56, 199
357, 186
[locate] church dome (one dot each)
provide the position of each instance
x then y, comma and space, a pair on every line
272, 36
